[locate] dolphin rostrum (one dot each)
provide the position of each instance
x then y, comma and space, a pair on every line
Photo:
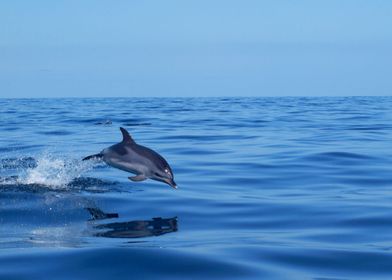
142, 161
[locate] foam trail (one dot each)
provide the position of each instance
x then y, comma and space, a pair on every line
54, 172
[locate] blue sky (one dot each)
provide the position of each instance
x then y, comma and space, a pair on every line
195, 48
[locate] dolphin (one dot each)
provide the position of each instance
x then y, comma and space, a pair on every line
142, 161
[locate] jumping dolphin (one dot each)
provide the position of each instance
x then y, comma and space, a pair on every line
142, 161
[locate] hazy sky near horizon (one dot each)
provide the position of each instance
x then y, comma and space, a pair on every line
195, 48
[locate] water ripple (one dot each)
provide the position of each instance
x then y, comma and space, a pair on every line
270, 188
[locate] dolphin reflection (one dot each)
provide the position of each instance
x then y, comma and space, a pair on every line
132, 229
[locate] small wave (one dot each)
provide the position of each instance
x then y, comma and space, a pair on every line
14, 148
103, 122
11, 180
14, 163
137, 124
85, 184
338, 155
56, 132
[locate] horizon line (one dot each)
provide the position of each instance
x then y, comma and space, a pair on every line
173, 97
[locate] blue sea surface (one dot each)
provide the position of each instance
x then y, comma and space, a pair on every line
269, 188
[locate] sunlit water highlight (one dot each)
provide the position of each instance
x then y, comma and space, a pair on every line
273, 188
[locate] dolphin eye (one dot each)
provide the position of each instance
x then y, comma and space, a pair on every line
166, 170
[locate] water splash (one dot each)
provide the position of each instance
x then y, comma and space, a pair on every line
54, 172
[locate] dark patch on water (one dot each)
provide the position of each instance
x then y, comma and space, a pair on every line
137, 229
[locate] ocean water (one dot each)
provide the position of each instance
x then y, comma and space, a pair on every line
269, 188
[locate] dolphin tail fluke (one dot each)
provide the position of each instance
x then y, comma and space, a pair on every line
96, 156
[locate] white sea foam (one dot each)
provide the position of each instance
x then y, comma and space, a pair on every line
54, 172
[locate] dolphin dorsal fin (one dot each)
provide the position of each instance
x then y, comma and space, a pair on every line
126, 137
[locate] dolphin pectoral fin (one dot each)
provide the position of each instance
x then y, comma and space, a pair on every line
138, 178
